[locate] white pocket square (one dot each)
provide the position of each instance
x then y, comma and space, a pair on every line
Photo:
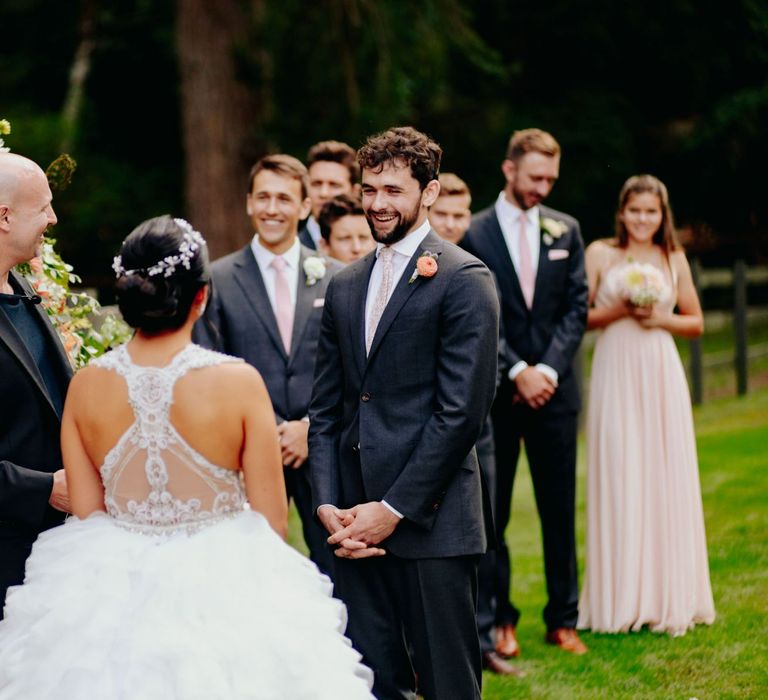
557, 254
317, 303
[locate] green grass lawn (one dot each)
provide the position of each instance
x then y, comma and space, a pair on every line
728, 659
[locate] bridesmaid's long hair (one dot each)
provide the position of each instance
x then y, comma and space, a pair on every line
666, 236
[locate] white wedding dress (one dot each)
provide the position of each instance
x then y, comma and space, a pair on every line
179, 591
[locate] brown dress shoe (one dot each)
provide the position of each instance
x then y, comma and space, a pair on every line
568, 640
495, 664
506, 641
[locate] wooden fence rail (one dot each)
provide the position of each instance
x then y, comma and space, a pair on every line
739, 278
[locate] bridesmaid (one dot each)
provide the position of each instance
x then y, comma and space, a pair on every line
646, 546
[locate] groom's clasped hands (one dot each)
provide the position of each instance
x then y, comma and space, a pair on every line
356, 531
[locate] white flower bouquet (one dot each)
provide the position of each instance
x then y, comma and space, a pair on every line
641, 284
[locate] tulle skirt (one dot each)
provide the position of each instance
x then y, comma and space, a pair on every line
226, 613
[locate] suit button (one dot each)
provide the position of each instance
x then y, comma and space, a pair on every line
365, 397
355, 448
435, 505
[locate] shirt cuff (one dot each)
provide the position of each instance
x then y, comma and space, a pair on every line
547, 371
516, 369
389, 507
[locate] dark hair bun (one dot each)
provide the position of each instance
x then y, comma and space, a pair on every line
155, 302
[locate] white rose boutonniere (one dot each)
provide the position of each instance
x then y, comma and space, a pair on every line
314, 269
552, 229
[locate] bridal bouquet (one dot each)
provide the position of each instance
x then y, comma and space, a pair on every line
641, 284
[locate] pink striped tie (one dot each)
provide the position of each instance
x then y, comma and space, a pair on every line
525, 273
283, 306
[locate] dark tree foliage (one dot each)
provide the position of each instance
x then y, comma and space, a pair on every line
673, 87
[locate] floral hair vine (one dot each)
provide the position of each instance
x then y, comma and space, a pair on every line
190, 244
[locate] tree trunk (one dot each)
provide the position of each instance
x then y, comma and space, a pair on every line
221, 117
78, 73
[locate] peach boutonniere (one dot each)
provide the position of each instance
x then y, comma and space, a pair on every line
426, 266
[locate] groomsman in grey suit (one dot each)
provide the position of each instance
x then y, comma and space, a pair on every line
405, 376
537, 256
265, 307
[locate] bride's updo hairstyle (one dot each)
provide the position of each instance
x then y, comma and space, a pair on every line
162, 265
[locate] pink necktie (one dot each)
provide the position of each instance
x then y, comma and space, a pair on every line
382, 294
525, 273
283, 306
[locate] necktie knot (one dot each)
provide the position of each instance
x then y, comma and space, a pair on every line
278, 263
386, 254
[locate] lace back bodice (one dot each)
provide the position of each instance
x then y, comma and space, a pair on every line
154, 481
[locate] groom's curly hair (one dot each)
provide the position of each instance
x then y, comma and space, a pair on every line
404, 145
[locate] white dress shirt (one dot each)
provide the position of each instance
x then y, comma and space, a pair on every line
508, 215
264, 259
403, 252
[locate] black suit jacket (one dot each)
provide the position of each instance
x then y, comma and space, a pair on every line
30, 449
400, 424
305, 238
552, 330
240, 321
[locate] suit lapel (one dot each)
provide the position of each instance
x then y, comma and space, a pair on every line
357, 302
248, 276
305, 299
404, 289
16, 345
506, 274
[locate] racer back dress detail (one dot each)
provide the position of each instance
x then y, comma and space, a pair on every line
179, 591
646, 554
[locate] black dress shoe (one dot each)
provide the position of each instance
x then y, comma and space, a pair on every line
495, 664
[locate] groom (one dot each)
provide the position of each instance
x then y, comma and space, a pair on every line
405, 376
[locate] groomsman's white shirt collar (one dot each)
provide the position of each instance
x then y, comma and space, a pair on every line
313, 226
509, 220
264, 259
404, 250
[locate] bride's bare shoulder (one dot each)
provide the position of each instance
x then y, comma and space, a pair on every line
234, 377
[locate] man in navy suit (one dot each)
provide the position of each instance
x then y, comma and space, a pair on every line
34, 374
537, 256
266, 304
333, 170
405, 376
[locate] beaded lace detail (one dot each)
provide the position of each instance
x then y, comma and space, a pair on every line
154, 481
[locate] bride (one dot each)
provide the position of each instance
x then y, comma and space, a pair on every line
173, 580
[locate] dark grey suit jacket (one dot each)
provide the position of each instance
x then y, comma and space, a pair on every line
552, 330
400, 424
239, 321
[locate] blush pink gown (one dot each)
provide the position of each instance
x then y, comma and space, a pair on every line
646, 555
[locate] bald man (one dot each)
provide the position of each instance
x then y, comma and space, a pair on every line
34, 374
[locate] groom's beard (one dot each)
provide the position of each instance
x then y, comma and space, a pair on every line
402, 224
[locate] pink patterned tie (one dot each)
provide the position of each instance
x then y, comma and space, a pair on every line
283, 306
525, 273
382, 294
